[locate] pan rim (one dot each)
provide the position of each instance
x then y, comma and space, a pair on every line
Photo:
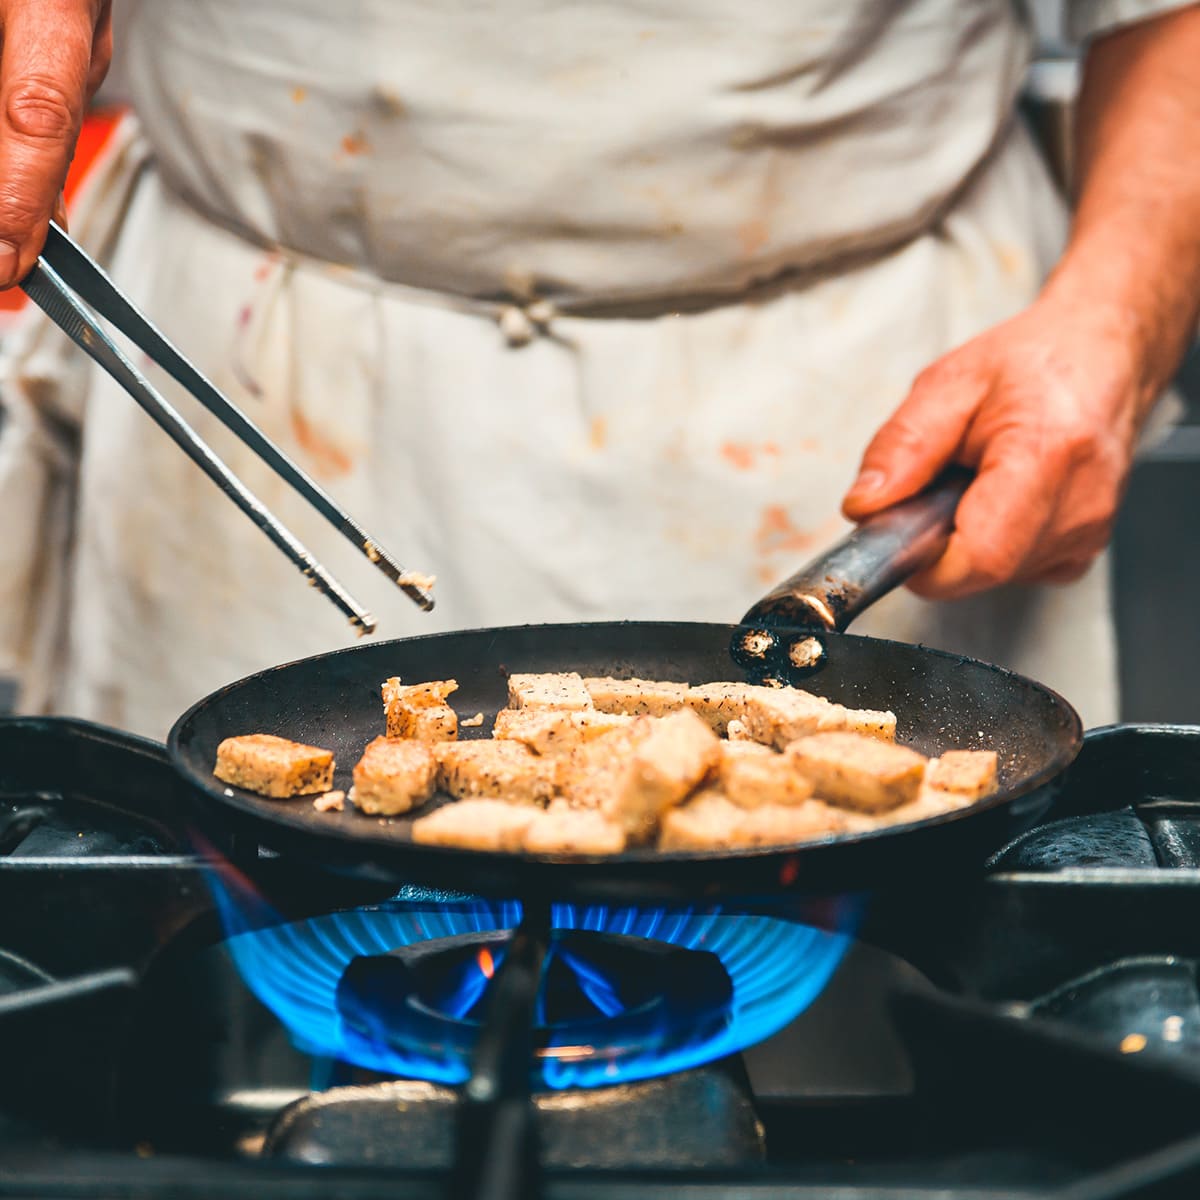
212, 788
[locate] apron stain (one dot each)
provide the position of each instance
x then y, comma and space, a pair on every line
598, 433
388, 102
776, 534
328, 459
356, 143
744, 456
299, 94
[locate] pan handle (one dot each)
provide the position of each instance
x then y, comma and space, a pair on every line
872, 560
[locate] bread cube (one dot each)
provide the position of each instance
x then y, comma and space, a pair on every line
273, 766
393, 776
867, 721
706, 822
562, 692
859, 772
475, 825
636, 697
720, 704
420, 711
436, 724
711, 821
785, 824
547, 731
779, 716
970, 773
930, 802
752, 775
562, 829
673, 756
499, 770
590, 772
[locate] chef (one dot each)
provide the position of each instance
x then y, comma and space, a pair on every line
595, 311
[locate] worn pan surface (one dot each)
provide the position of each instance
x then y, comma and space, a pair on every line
942, 701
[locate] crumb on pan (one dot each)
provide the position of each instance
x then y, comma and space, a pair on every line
471, 722
334, 801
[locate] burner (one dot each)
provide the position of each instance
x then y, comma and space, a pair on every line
627, 993
604, 997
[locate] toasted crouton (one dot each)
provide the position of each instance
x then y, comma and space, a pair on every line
753, 775
859, 772
970, 773
711, 821
420, 711
783, 824
930, 802
563, 692
667, 762
547, 731
590, 772
778, 716
636, 697
438, 723
720, 704
868, 721
565, 830
274, 766
475, 825
498, 770
706, 822
393, 776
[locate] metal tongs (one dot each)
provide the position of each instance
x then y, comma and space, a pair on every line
65, 282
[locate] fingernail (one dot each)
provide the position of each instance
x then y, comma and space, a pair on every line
868, 483
10, 257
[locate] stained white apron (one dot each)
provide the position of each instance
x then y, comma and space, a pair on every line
589, 311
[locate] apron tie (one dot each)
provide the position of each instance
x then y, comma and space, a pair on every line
521, 323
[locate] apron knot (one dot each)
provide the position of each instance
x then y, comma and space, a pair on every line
521, 323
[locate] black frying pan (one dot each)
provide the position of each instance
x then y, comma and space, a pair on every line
941, 700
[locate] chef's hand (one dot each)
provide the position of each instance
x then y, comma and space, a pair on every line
1045, 408
55, 54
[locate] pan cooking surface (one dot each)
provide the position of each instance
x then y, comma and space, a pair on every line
333, 701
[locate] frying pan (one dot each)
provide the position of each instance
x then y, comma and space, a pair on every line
794, 634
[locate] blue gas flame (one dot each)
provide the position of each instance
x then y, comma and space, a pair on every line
777, 968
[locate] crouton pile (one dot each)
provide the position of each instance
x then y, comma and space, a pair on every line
588, 767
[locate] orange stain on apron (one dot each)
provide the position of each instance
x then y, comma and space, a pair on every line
776, 534
328, 460
744, 456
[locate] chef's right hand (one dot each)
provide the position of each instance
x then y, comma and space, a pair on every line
55, 54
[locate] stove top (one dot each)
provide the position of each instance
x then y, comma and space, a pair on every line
1031, 1029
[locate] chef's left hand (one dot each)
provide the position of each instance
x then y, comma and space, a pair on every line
1045, 408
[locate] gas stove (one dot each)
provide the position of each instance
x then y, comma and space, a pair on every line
185, 1019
